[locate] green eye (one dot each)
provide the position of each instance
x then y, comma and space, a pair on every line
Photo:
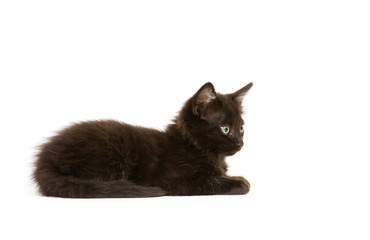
225, 130
242, 129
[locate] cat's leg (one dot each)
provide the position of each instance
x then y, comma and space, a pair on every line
240, 186
210, 185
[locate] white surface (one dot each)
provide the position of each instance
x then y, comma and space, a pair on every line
307, 117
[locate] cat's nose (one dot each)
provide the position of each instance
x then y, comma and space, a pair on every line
239, 145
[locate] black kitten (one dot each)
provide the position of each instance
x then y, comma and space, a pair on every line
99, 159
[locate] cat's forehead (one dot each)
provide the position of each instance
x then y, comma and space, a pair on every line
231, 109
228, 104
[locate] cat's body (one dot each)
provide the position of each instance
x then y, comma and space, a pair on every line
113, 159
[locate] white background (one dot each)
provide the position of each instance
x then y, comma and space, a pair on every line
307, 117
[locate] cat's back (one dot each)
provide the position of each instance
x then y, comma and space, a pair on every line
103, 133
99, 133
99, 149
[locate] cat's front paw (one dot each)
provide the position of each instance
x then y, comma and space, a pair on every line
240, 186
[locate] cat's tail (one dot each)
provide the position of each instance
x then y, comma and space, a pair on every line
52, 183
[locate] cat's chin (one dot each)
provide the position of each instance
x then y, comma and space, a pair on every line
233, 153
230, 153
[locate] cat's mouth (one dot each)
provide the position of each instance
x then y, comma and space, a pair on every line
232, 152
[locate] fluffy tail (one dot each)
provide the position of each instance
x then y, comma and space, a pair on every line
52, 183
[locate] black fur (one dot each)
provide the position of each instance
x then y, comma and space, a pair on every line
98, 159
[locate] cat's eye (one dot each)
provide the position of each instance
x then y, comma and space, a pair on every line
225, 130
242, 129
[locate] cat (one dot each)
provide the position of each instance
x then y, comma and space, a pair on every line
112, 159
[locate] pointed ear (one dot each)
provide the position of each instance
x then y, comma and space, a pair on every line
205, 95
239, 95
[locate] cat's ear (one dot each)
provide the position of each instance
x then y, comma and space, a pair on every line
239, 95
205, 95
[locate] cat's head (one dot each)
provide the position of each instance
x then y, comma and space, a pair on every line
213, 121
